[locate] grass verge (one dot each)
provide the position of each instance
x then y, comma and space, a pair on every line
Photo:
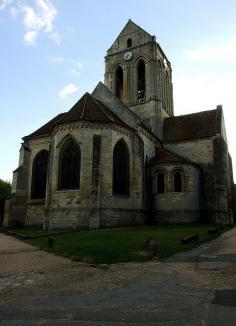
106, 246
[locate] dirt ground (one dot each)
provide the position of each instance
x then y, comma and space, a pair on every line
27, 273
194, 288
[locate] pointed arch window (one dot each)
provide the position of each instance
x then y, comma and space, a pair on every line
69, 166
178, 181
39, 175
141, 80
119, 82
121, 168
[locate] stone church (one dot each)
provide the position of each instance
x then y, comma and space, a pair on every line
121, 157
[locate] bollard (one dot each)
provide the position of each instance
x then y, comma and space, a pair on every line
51, 242
151, 246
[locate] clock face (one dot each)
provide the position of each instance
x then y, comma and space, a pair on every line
128, 55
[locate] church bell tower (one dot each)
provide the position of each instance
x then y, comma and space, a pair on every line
138, 72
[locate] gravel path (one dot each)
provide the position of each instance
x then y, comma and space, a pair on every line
27, 273
195, 288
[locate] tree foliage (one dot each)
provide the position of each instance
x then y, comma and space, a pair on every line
5, 189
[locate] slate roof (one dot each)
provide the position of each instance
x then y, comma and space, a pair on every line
45, 129
192, 126
91, 109
86, 109
165, 156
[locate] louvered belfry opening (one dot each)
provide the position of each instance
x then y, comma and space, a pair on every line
119, 82
39, 175
129, 43
69, 166
121, 168
141, 80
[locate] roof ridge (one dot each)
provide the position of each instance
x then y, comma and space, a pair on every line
189, 114
117, 98
95, 101
85, 102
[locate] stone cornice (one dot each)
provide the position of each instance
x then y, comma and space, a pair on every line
92, 125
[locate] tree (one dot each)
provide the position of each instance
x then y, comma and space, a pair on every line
5, 190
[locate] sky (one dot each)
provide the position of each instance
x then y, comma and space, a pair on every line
52, 52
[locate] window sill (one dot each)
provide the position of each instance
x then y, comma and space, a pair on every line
36, 202
121, 196
67, 190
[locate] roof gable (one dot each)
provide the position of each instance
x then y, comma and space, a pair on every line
133, 31
88, 108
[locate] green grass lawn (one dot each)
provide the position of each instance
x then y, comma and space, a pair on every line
106, 246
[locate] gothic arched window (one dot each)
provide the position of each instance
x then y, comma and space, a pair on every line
141, 80
69, 166
119, 82
129, 43
178, 181
39, 175
121, 168
160, 183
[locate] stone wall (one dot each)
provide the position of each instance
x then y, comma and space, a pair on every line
69, 217
79, 208
223, 212
199, 151
177, 207
15, 209
35, 215
216, 177
116, 217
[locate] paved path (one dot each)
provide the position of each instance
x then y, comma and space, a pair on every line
193, 288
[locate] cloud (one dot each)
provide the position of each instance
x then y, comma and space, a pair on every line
56, 59
200, 92
30, 38
56, 38
38, 18
67, 90
4, 4
13, 11
204, 91
76, 70
75, 65
225, 51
